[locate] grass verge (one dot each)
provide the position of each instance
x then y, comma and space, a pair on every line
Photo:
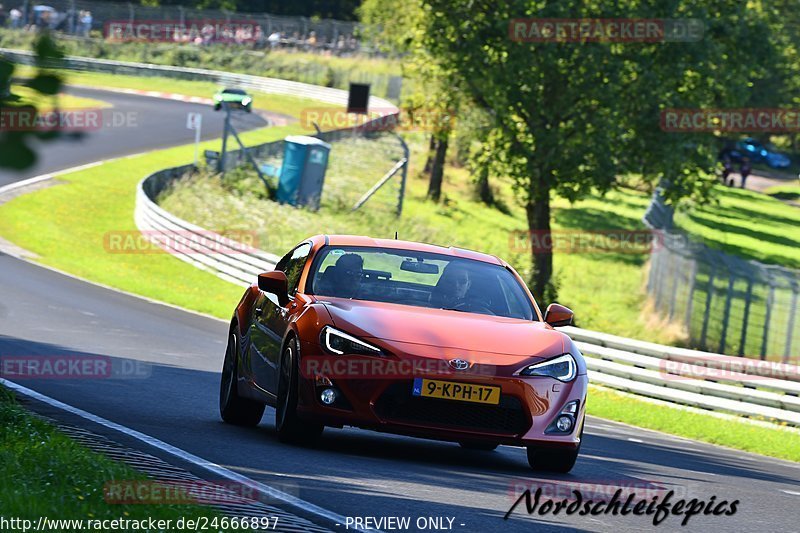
27, 96
784, 192
747, 224
741, 435
46, 474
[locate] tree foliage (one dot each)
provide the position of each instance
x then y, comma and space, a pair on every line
572, 117
16, 143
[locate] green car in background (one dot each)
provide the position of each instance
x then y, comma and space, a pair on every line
234, 98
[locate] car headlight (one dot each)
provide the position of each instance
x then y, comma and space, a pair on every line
341, 343
245, 101
563, 368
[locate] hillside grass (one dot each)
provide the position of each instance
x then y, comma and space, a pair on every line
747, 224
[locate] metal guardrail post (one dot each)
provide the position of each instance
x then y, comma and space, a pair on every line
674, 296
707, 310
726, 314
401, 194
690, 298
790, 325
223, 155
767, 316
746, 314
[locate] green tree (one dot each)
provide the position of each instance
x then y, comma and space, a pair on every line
16, 151
573, 117
428, 87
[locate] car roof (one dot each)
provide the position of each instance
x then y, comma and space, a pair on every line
370, 242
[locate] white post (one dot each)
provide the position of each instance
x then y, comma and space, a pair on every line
196, 142
194, 122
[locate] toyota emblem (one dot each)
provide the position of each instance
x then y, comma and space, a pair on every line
459, 364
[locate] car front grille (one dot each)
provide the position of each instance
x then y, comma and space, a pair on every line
397, 404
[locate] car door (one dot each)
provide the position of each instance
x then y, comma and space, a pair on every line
270, 321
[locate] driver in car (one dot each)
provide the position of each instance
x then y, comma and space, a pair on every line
451, 290
344, 278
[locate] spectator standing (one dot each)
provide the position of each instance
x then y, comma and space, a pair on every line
86, 23
15, 18
274, 39
727, 168
744, 170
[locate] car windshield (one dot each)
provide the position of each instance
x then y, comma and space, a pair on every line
234, 91
419, 279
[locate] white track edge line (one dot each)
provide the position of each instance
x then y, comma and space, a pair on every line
263, 489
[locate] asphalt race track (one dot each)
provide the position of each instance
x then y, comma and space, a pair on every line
173, 397
134, 124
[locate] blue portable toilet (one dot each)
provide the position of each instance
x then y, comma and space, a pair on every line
305, 160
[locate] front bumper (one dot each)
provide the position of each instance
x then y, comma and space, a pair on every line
528, 405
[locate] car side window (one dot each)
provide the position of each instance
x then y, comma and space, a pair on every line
292, 265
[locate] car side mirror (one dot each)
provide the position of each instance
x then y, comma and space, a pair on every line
558, 315
275, 282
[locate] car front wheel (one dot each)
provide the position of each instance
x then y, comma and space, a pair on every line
291, 428
547, 460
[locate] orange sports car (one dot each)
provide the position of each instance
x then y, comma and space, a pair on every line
409, 338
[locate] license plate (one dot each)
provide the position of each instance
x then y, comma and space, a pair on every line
453, 390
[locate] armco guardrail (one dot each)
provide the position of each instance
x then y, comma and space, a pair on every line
709, 381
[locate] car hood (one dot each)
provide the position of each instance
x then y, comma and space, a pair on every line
468, 332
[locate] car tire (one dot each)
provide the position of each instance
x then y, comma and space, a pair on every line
248, 108
290, 427
233, 408
217, 107
478, 445
548, 460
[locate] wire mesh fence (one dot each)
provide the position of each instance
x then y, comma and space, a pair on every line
80, 17
728, 304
